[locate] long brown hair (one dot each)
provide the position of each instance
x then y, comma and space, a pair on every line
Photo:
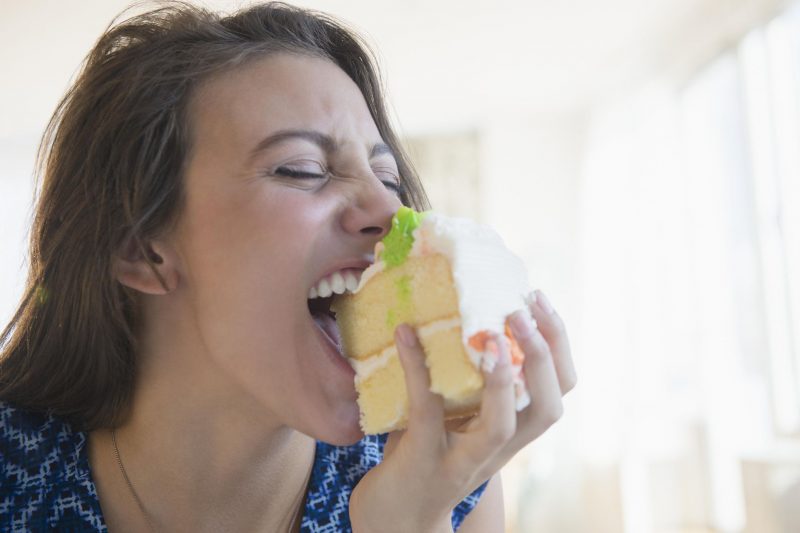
111, 163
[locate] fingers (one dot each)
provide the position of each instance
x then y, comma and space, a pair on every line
460, 424
552, 329
540, 376
496, 424
392, 441
498, 415
425, 408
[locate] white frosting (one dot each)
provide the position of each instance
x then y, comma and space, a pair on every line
491, 281
437, 326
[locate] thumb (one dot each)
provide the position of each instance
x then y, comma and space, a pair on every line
425, 408
392, 441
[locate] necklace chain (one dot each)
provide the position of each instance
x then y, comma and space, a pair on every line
139, 503
128, 482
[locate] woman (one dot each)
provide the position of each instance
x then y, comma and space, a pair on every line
163, 371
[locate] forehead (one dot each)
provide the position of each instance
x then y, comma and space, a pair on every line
281, 91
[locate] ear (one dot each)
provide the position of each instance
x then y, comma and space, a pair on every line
158, 276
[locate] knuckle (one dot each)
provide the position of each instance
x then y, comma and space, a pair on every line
500, 434
422, 413
553, 414
539, 349
501, 378
570, 383
545, 417
552, 323
557, 324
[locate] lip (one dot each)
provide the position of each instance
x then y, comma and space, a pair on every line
355, 264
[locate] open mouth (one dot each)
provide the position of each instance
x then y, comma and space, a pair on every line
320, 309
321, 295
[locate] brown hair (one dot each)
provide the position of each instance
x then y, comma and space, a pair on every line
112, 160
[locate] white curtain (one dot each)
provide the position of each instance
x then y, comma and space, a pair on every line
691, 292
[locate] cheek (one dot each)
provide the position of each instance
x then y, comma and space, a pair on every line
247, 261
256, 232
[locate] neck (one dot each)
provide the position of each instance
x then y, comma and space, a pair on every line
201, 454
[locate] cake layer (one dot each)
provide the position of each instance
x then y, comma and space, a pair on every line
417, 292
381, 386
453, 374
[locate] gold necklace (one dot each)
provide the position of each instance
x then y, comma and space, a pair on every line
139, 503
128, 482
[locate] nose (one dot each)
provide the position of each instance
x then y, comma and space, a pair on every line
369, 213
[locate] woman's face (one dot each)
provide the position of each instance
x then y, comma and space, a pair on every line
288, 182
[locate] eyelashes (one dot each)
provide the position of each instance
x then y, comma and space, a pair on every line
287, 172
393, 183
390, 180
395, 186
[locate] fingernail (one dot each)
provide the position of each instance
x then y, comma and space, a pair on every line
406, 335
523, 399
504, 355
530, 299
490, 357
544, 303
522, 324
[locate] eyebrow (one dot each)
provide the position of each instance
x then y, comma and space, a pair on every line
326, 142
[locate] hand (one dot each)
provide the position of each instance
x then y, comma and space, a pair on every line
428, 469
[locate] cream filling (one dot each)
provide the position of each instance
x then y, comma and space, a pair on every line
364, 369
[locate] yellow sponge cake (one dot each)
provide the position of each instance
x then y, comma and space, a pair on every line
451, 279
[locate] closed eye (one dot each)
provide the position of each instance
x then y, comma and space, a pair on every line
301, 170
394, 186
297, 174
389, 179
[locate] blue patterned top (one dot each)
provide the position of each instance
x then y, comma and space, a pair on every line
46, 483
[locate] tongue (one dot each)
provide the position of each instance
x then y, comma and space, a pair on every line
328, 324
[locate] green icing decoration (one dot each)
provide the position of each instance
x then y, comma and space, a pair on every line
396, 247
403, 286
391, 319
403, 310
400, 239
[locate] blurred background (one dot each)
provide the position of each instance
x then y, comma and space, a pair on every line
643, 157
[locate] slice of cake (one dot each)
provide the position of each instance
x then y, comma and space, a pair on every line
455, 282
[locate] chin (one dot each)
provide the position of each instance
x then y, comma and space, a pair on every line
340, 429
343, 439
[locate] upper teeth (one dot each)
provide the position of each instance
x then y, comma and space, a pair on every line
336, 283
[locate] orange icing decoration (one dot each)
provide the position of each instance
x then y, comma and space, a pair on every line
517, 356
478, 342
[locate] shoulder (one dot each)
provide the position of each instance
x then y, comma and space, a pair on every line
36, 449
44, 472
336, 471
339, 468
